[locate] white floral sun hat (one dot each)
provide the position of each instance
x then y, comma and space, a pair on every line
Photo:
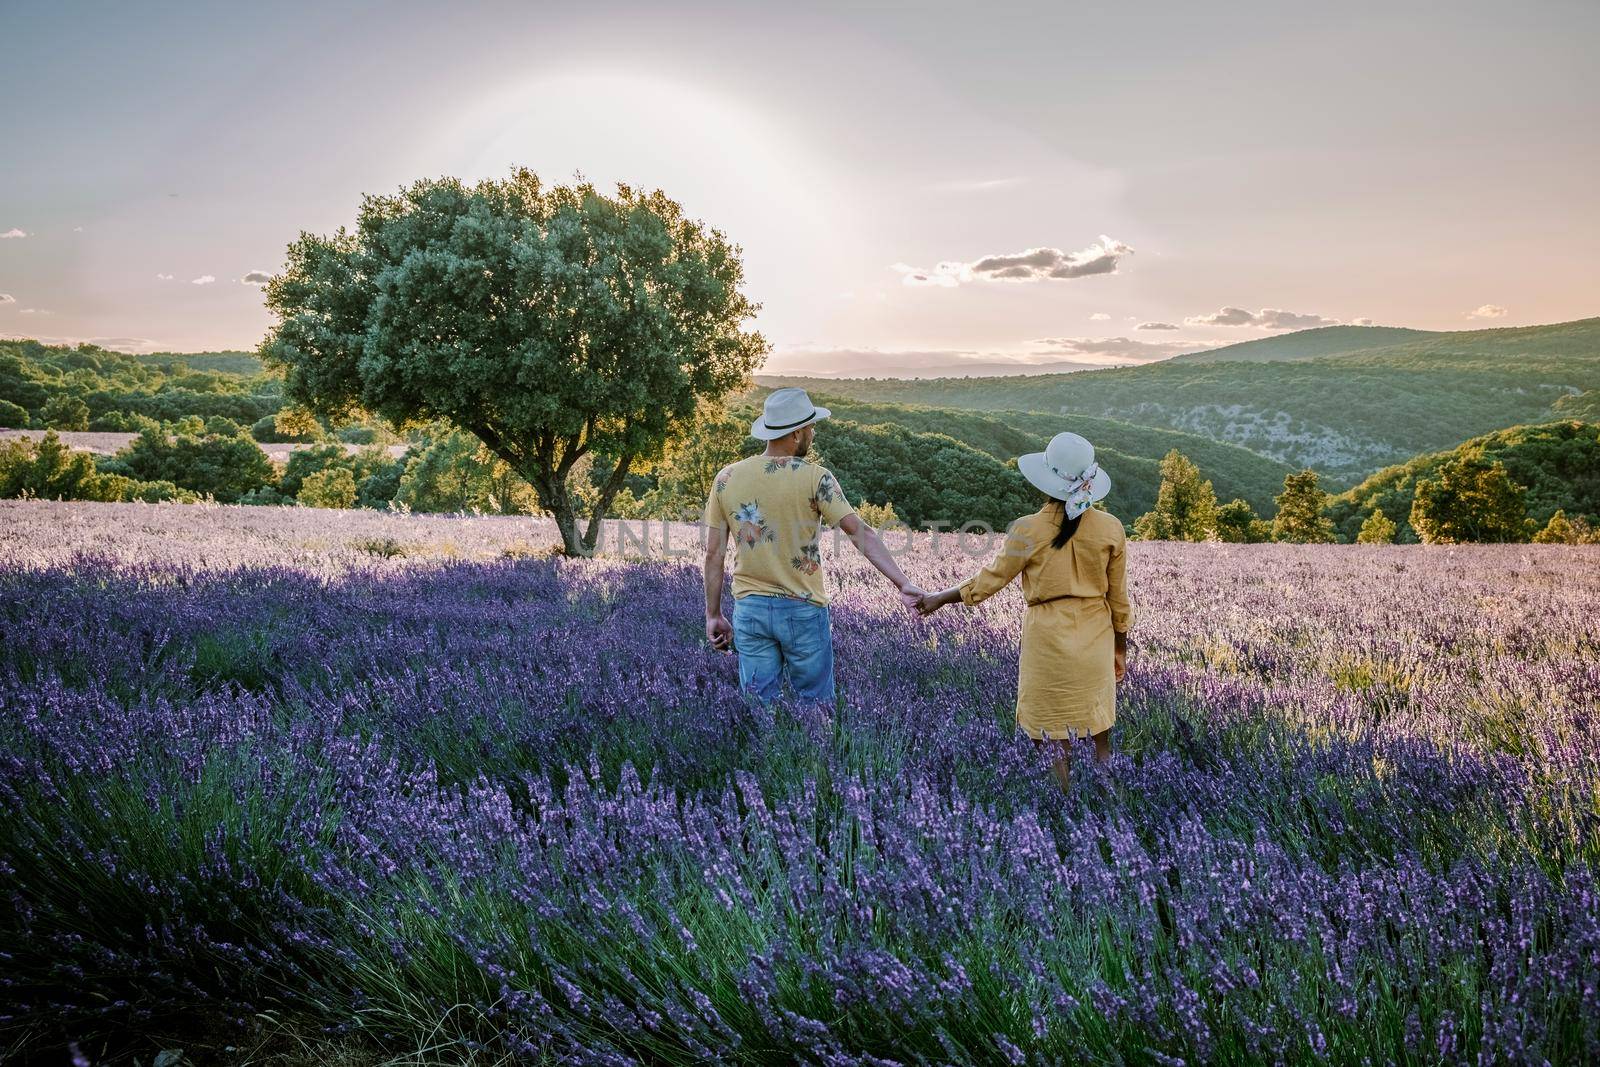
1066, 471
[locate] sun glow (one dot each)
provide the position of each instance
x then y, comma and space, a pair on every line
738, 168
724, 160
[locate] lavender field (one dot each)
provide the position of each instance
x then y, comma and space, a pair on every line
363, 788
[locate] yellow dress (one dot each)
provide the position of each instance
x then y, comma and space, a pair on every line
1077, 596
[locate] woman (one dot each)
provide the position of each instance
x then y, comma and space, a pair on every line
1074, 634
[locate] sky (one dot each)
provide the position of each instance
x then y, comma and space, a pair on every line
917, 188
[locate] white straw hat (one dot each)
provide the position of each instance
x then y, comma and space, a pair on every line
1066, 471
785, 411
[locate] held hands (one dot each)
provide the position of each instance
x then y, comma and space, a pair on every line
719, 631
914, 598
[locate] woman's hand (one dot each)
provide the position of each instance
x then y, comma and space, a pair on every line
1119, 663
932, 602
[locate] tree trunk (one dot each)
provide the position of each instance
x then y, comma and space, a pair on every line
550, 484
608, 493
555, 497
572, 543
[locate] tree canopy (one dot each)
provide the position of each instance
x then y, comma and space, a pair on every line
1186, 504
552, 323
1471, 498
1302, 508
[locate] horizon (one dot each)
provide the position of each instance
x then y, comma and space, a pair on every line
1036, 190
970, 370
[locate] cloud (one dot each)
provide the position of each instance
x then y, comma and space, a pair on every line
1040, 263
77, 229
1099, 316
1266, 319
1488, 311
35, 311
13, 232
1031, 265
204, 279
1117, 350
256, 277
1228, 316
1361, 322
163, 277
7, 298
1155, 326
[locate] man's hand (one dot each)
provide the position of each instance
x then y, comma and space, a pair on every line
719, 632
911, 596
1119, 664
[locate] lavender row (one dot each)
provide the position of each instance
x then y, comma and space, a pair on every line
517, 808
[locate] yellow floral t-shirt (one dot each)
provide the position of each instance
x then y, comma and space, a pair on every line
773, 509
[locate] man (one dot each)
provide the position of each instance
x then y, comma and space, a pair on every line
775, 505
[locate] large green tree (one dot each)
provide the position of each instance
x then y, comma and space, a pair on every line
1471, 499
552, 323
1302, 511
1186, 504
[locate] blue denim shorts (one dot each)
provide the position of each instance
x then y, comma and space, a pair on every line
779, 638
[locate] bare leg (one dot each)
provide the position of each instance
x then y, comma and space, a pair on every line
1062, 763
1102, 746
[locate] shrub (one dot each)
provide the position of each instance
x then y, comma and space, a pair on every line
1378, 529
13, 416
455, 472
878, 516
266, 496
1561, 530
288, 426
121, 487
379, 487
334, 487
47, 469
1238, 522
223, 465
63, 412
123, 422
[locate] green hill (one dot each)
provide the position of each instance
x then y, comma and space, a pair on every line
928, 477
1558, 463
246, 364
114, 386
1307, 344
1584, 406
1345, 415
1130, 454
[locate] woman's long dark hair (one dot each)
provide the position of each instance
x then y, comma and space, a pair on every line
1068, 526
